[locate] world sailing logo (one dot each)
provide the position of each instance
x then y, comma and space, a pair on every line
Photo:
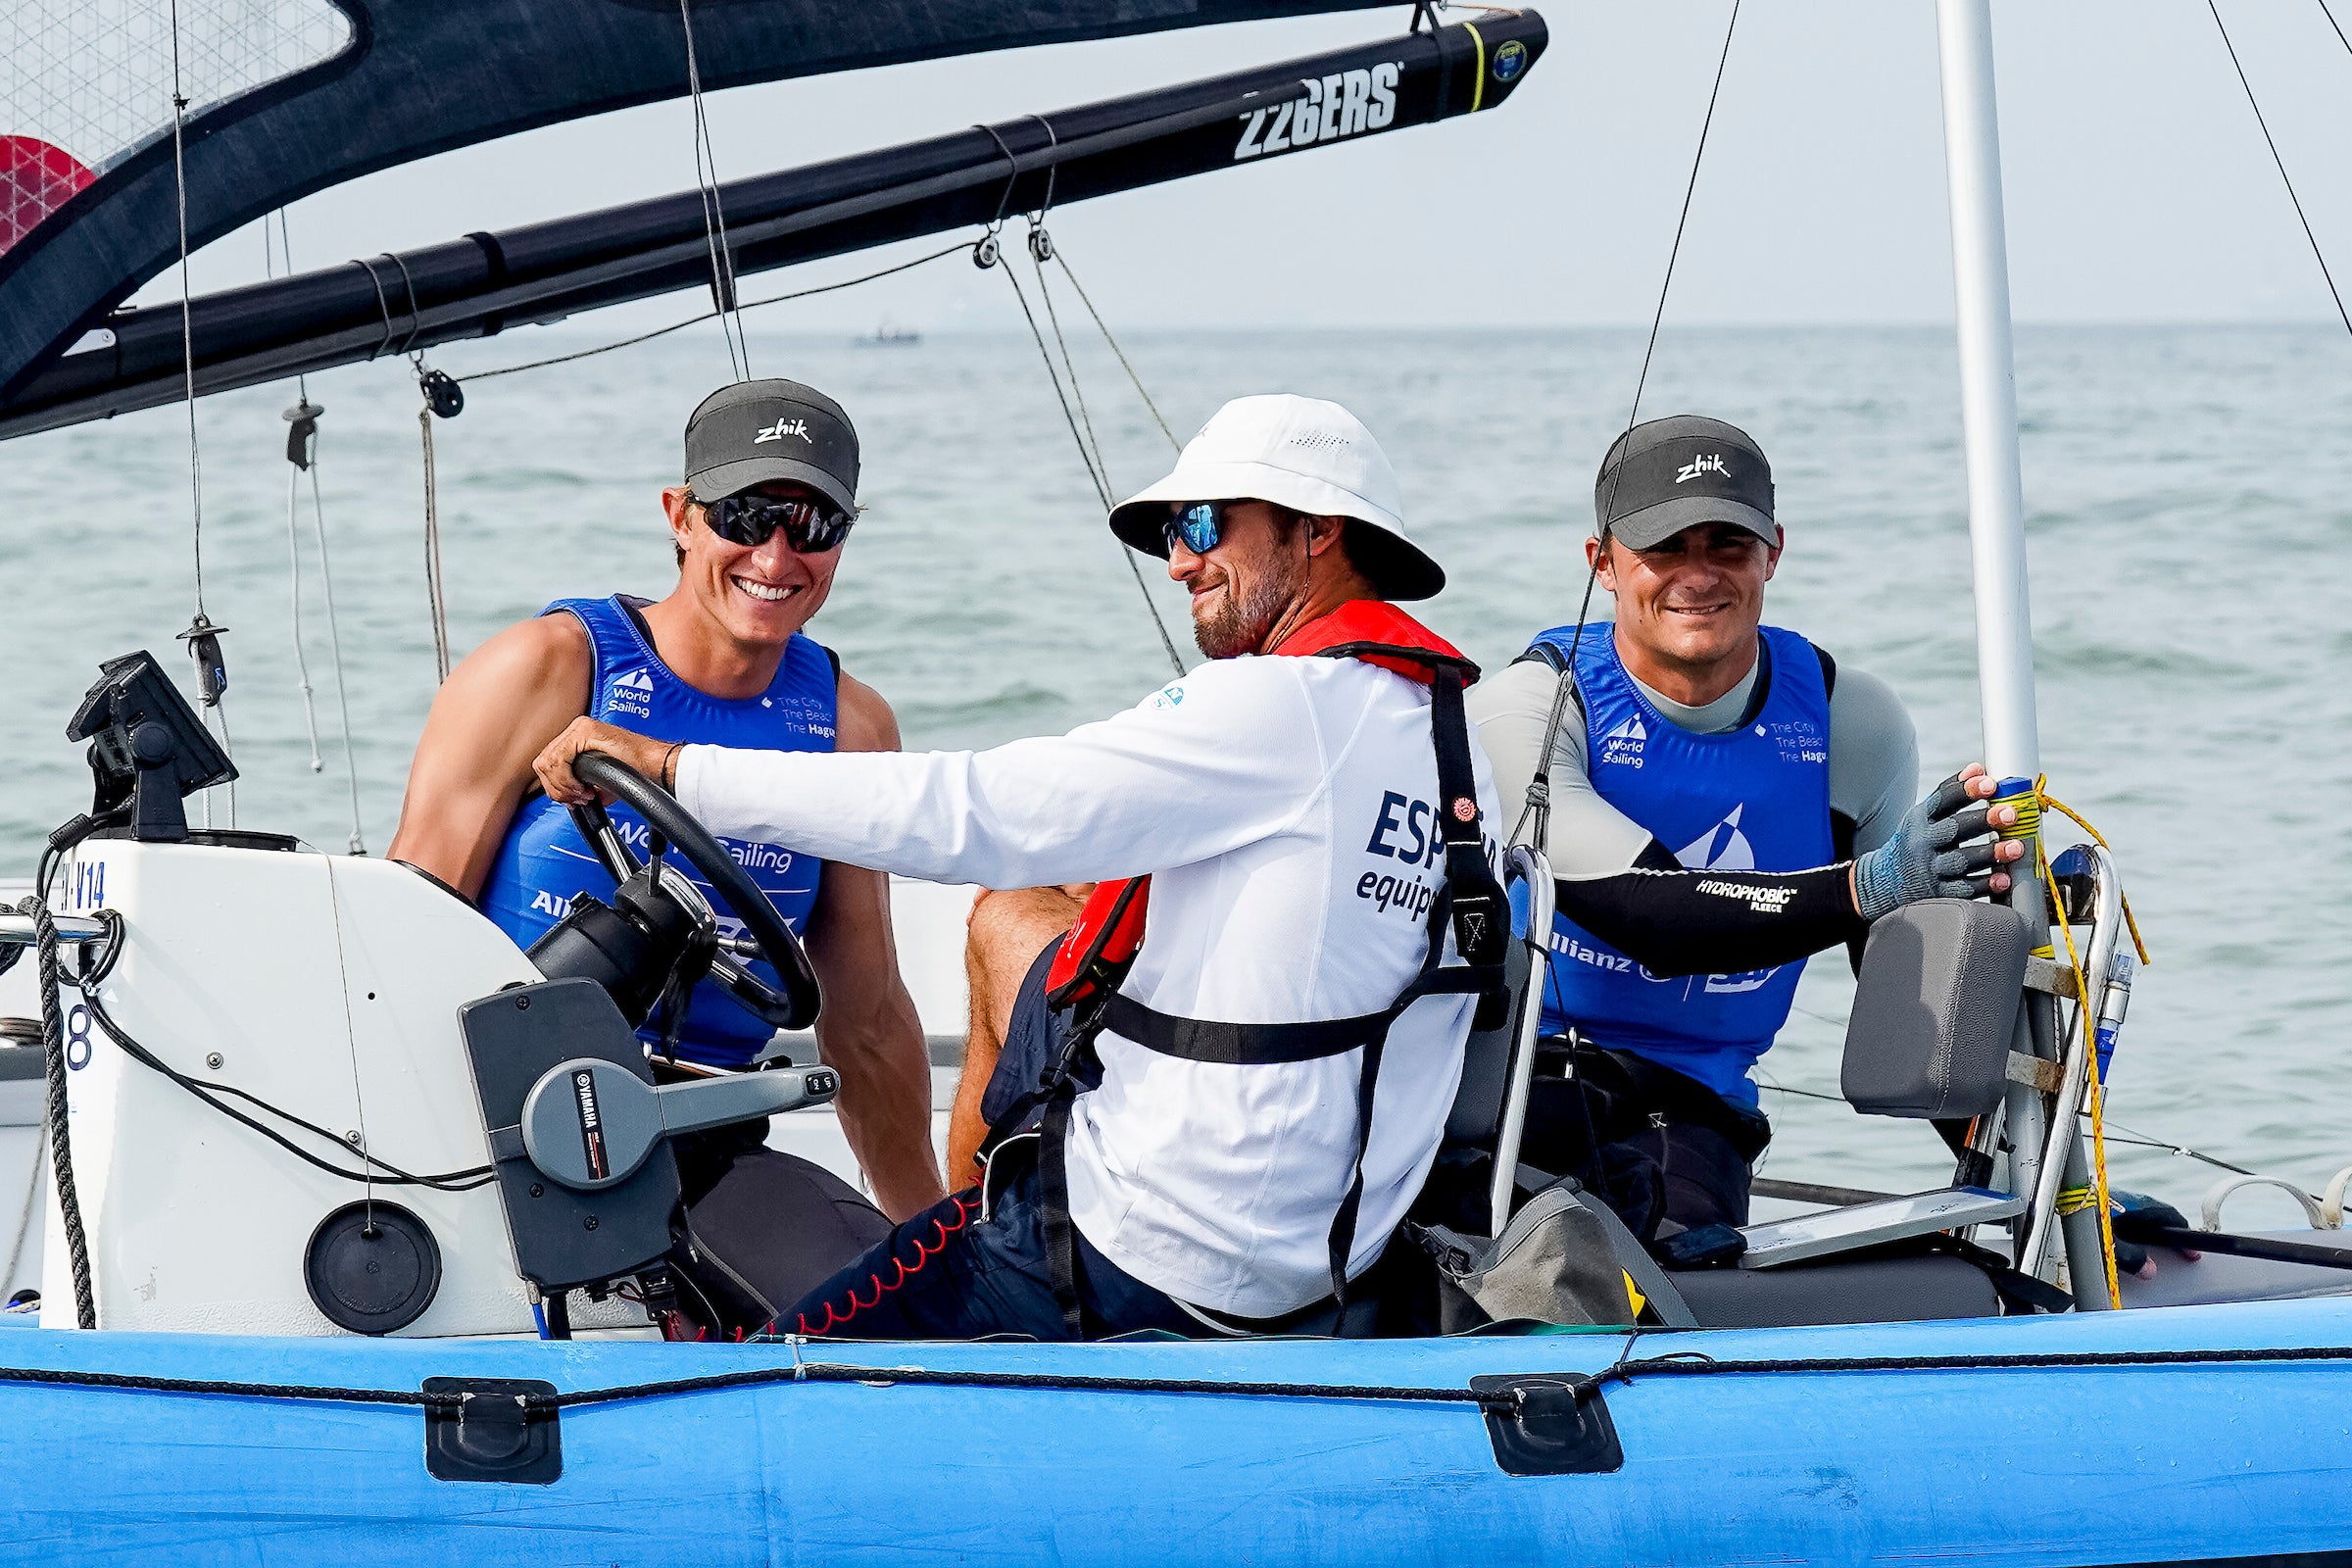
1343, 104
1623, 745
631, 693
782, 429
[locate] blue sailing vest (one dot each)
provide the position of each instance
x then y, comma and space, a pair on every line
544, 863
1756, 798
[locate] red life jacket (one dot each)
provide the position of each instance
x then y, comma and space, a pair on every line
1110, 931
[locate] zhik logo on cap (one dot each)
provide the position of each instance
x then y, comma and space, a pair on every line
782, 429
1704, 463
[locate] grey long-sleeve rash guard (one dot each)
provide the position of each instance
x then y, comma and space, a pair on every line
1620, 883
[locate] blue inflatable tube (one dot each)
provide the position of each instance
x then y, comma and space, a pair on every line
2161, 1459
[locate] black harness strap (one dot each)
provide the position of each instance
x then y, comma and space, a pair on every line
1242, 1045
1054, 1220
1480, 914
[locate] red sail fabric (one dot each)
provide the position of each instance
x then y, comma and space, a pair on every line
35, 180
1091, 954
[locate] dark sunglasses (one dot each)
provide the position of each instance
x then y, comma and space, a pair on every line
1199, 526
811, 528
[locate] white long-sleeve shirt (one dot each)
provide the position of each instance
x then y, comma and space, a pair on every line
1286, 808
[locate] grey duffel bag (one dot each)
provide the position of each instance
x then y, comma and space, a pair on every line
1563, 1259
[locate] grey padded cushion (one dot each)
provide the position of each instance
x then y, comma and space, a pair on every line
1875, 1290
1477, 1116
1934, 1007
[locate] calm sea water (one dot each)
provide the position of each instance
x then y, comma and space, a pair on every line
2191, 521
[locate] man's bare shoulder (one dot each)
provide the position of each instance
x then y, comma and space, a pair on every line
507, 699
863, 721
515, 691
529, 656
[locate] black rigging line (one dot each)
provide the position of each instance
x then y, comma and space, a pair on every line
2269, 141
1064, 262
179, 177
1092, 459
2117, 1132
989, 253
956, 249
1539, 789
715, 217
2337, 26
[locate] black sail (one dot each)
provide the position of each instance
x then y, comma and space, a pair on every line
382, 83
485, 282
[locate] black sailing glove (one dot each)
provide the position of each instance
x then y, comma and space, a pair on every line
1945, 849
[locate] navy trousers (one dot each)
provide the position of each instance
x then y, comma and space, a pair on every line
949, 1274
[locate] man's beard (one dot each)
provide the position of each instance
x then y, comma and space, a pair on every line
1240, 626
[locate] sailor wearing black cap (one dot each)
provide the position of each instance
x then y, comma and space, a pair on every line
767, 500
1712, 785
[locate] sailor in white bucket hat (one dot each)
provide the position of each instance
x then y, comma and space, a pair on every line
1309, 456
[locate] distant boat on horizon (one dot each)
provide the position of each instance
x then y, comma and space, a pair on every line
891, 335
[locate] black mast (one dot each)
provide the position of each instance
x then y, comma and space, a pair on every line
485, 282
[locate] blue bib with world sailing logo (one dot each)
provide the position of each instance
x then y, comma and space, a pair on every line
544, 863
1756, 798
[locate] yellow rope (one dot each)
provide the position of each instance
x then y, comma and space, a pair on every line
2100, 838
2085, 1005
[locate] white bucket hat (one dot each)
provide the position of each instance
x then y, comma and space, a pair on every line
1302, 453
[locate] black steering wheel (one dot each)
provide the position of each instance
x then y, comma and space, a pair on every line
795, 1007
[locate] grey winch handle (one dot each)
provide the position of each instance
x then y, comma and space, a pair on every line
590, 1123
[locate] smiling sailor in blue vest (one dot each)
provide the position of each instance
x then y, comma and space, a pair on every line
1726, 800
757, 527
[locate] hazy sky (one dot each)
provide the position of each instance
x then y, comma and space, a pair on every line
2139, 188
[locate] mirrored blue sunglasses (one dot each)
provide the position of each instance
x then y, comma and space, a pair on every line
1198, 527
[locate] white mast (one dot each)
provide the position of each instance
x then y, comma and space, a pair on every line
1996, 511
1996, 530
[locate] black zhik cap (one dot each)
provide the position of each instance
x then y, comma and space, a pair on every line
1663, 476
758, 432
